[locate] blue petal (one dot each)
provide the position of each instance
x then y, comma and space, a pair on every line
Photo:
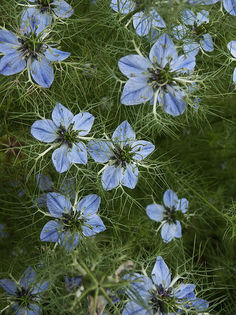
78, 153
188, 17
142, 23
32, 19
62, 116
100, 151
155, 212
130, 176
232, 47
44, 130
191, 48
140, 286
124, 134
183, 63
40, 287
54, 54
42, 72
69, 240
51, 232
199, 304
31, 309
182, 290
157, 20
58, 204
142, 149
12, 63
89, 205
83, 123
60, 159
27, 278
111, 177
41, 201
179, 31
172, 101
9, 286
93, 225
134, 65
8, 42
62, 9
71, 282
207, 43
44, 182
132, 308
230, 6
170, 231
136, 91
182, 205
170, 199
202, 17
160, 273
122, 6
203, 2
163, 51
234, 75
178, 233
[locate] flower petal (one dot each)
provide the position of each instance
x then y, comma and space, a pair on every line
234, 75
42, 72
28, 277
111, 177
9, 286
140, 286
202, 17
191, 48
183, 64
58, 204
62, 116
232, 47
179, 31
230, 6
170, 199
12, 63
60, 159
122, 6
182, 290
142, 149
93, 225
51, 232
100, 151
134, 65
130, 176
54, 54
68, 240
163, 51
78, 153
8, 42
132, 308
124, 134
32, 19
155, 212
83, 123
160, 273
62, 9
170, 231
136, 91
142, 23
44, 182
89, 205
157, 20
182, 205
172, 101
188, 17
44, 130
40, 287
207, 43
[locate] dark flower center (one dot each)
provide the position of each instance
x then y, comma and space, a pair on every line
160, 77
72, 222
123, 155
68, 136
171, 215
197, 30
24, 296
160, 299
30, 46
45, 5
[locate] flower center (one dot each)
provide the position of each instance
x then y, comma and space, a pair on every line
30, 46
68, 136
72, 222
197, 30
160, 77
44, 5
123, 155
24, 296
160, 299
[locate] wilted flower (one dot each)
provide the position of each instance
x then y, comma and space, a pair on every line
122, 154
168, 215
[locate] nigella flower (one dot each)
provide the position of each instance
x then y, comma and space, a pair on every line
192, 32
122, 155
159, 296
44, 10
145, 19
158, 79
65, 130
72, 223
229, 5
232, 48
72, 282
25, 294
29, 50
168, 215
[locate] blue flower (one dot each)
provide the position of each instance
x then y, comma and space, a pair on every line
29, 50
157, 79
158, 296
44, 10
229, 5
65, 130
72, 282
72, 223
232, 48
143, 20
122, 154
171, 227
25, 295
192, 32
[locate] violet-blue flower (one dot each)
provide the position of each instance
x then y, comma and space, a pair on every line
25, 294
143, 20
122, 156
29, 49
168, 215
193, 32
232, 48
72, 222
66, 131
160, 296
229, 5
159, 79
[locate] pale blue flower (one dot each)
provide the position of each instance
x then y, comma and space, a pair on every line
192, 32
159, 296
67, 131
25, 294
143, 20
122, 155
72, 223
171, 227
229, 5
232, 48
29, 50
159, 79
